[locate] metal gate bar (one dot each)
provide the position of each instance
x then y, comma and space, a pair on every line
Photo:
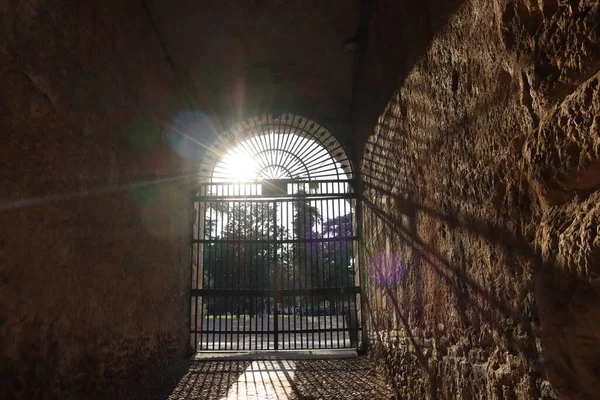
267, 273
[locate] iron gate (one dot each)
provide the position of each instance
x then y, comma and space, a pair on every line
273, 266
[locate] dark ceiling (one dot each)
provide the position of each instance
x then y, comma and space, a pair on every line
239, 58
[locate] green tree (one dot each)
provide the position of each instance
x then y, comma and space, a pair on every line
307, 255
339, 254
241, 253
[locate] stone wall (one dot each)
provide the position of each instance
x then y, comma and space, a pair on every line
482, 200
94, 257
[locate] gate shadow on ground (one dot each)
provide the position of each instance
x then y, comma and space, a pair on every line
312, 379
208, 379
340, 379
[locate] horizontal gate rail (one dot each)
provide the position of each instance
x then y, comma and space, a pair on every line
295, 331
293, 181
275, 292
284, 241
281, 199
290, 181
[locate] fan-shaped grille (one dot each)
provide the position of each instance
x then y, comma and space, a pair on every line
288, 147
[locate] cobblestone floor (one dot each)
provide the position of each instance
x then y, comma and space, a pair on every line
298, 380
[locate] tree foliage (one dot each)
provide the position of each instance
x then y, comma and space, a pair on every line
241, 253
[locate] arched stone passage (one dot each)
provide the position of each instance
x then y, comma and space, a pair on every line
273, 263
477, 125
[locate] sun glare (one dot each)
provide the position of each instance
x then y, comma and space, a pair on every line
238, 165
280, 156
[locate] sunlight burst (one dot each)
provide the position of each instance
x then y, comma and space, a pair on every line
238, 165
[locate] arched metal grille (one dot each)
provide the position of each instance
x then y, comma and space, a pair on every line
285, 147
273, 263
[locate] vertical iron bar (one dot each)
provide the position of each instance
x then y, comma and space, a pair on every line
219, 285
195, 298
224, 261
319, 281
219, 300
199, 277
201, 261
240, 269
206, 274
211, 257
197, 248
244, 279
346, 245
282, 268
207, 256
229, 254
357, 265
282, 271
251, 306
332, 281
206, 280
276, 280
292, 267
230, 281
286, 271
305, 269
208, 284
344, 275
231, 298
327, 278
345, 297
291, 299
256, 279
308, 235
264, 271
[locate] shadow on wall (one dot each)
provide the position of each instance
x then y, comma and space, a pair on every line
435, 275
388, 57
466, 265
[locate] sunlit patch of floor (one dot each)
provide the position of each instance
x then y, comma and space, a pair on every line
272, 379
355, 378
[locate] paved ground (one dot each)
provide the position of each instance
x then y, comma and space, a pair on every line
283, 379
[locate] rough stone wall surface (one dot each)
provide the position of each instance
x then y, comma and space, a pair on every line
94, 261
481, 218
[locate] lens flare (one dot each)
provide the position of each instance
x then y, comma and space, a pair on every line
190, 134
386, 269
